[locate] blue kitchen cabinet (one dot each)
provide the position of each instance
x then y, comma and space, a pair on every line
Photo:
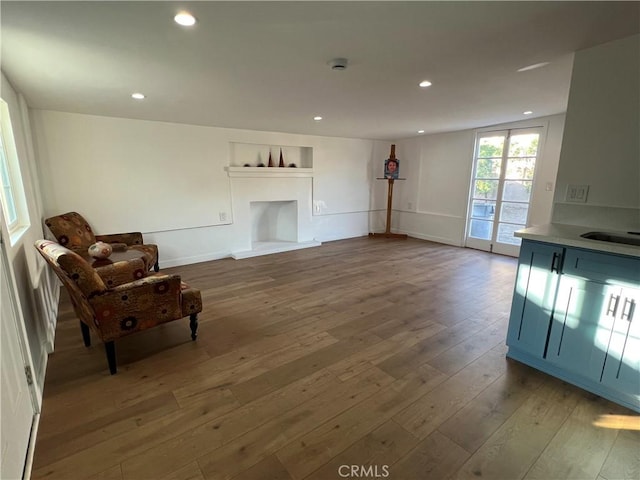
598, 296
622, 363
579, 324
581, 327
534, 297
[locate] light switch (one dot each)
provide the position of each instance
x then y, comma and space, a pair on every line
577, 193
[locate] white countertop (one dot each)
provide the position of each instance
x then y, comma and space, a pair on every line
570, 235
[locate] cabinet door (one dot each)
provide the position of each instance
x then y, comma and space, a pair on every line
534, 297
602, 267
622, 364
582, 325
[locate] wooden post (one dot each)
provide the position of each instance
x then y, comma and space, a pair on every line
390, 181
389, 205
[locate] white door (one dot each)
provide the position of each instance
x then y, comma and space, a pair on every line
503, 172
17, 407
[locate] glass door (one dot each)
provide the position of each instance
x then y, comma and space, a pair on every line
501, 189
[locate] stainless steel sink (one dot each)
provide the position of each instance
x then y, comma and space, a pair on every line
612, 238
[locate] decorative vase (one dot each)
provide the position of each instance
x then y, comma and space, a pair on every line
281, 159
270, 159
100, 250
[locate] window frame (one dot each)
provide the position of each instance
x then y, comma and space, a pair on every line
493, 244
15, 188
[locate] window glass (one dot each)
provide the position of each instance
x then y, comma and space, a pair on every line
14, 203
8, 203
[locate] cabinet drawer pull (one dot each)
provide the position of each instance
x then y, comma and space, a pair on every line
611, 310
555, 262
628, 309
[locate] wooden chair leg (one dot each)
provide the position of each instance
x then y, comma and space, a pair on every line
110, 348
193, 323
86, 336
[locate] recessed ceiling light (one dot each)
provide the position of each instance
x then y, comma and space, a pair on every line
338, 64
532, 67
317, 118
528, 112
138, 96
185, 19
425, 83
420, 131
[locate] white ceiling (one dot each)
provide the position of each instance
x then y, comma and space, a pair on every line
263, 65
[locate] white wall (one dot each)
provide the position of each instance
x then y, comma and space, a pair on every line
547, 171
128, 175
432, 203
37, 288
169, 180
349, 199
601, 146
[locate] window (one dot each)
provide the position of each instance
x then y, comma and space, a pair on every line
8, 202
14, 205
501, 188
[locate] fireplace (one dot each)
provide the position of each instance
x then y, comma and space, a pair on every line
271, 210
274, 222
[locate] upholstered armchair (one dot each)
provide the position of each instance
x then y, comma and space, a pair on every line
130, 303
72, 231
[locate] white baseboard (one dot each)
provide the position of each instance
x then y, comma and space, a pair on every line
178, 262
331, 238
28, 463
432, 238
267, 248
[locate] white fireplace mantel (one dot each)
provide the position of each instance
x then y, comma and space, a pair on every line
269, 172
281, 195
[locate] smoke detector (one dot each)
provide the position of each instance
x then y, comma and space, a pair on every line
338, 64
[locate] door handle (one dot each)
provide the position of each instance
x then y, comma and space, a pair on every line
611, 310
628, 309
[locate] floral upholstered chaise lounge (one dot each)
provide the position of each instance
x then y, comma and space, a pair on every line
72, 231
133, 302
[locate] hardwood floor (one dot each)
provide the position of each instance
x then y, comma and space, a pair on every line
363, 358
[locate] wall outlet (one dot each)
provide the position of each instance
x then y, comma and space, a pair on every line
577, 193
223, 216
319, 206
549, 187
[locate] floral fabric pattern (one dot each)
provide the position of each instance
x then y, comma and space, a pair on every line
51, 251
73, 232
120, 299
122, 272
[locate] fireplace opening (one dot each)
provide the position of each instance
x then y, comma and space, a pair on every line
273, 222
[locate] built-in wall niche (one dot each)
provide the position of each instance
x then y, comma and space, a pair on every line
254, 154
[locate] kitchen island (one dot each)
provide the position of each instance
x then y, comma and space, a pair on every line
574, 313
